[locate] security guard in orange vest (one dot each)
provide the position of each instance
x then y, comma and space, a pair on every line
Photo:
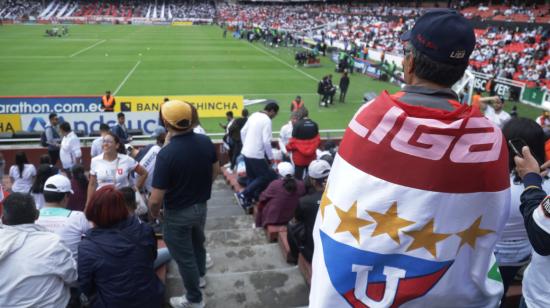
108, 102
296, 104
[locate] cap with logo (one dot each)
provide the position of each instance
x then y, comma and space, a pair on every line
443, 35
178, 114
318, 169
58, 183
285, 168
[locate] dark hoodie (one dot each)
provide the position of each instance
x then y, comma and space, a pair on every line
115, 266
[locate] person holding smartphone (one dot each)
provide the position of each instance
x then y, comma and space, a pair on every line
535, 208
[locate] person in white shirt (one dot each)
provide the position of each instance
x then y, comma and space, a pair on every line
113, 168
493, 110
147, 157
256, 137
22, 174
45, 171
70, 153
37, 268
285, 134
56, 218
97, 144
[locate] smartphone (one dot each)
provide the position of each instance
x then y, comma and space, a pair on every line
516, 145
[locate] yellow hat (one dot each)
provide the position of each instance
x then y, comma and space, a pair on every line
178, 114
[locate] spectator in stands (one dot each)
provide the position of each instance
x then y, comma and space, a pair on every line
227, 140
344, 84
108, 102
36, 266
46, 159
44, 172
70, 153
55, 217
147, 157
304, 142
2, 165
256, 136
437, 51
182, 184
113, 168
97, 144
296, 104
535, 208
493, 110
235, 134
306, 211
22, 174
79, 185
544, 121
53, 139
285, 134
279, 200
120, 129
513, 250
115, 258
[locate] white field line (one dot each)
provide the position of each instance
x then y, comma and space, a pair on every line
87, 48
284, 62
127, 77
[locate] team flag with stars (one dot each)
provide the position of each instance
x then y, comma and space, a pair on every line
413, 208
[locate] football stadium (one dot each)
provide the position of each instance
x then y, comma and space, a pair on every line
310, 153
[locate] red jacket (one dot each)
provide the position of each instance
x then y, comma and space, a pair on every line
303, 150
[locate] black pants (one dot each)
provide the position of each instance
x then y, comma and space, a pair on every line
508, 273
235, 152
54, 156
343, 95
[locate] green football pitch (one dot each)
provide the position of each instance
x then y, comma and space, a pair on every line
165, 61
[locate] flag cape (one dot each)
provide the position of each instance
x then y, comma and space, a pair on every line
412, 210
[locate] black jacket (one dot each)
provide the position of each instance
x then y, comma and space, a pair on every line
115, 266
531, 199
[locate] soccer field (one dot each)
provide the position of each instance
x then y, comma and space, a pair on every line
164, 61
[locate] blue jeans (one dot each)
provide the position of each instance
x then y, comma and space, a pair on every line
522, 303
163, 256
184, 237
259, 175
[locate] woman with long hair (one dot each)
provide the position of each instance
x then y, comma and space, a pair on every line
279, 200
22, 174
115, 258
45, 171
114, 168
79, 184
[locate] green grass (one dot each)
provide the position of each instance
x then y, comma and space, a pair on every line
174, 61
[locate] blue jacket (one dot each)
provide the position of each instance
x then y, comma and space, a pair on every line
121, 133
115, 266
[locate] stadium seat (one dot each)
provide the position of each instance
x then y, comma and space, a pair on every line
6, 135
135, 132
25, 134
80, 133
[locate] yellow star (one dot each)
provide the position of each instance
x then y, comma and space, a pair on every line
426, 237
470, 235
325, 201
389, 223
350, 222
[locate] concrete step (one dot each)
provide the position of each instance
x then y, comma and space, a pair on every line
263, 289
234, 238
229, 222
247, 258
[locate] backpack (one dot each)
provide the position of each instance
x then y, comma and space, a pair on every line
43, 138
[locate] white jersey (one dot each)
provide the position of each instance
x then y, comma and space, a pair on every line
499, 118
114, 172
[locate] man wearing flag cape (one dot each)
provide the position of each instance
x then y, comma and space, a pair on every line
419, 191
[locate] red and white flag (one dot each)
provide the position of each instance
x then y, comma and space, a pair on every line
414, 205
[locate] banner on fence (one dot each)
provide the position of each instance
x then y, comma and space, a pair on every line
10, 123
207, 106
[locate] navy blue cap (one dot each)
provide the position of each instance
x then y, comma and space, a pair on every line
443, 35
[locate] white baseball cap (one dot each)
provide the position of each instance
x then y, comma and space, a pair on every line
285, 168
318, 169
58, 183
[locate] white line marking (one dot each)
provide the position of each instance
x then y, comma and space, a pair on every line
284, 62
87, 48
126, 78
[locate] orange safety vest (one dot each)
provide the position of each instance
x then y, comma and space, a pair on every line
108, 104
296, 105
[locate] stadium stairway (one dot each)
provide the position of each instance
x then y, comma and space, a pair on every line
248, 270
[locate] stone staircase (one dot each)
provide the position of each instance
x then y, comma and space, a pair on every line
248, 271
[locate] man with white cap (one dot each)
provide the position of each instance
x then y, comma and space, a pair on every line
55, 217
306, 211
184, 171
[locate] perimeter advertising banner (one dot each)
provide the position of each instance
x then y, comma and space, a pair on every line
84, 113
